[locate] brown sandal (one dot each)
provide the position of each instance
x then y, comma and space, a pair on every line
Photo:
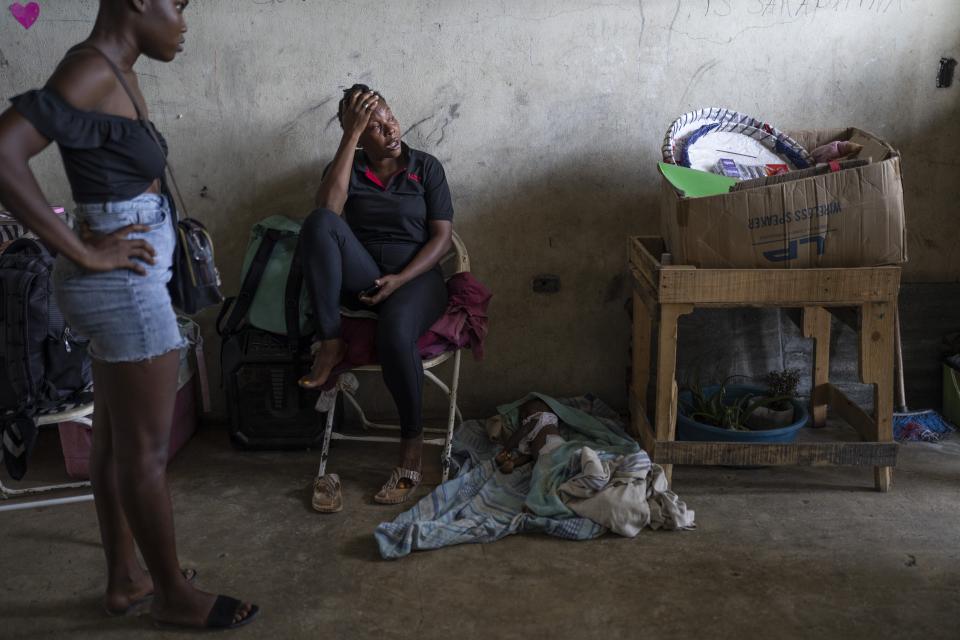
392, 492
326, 494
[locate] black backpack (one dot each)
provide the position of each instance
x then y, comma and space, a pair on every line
42, 364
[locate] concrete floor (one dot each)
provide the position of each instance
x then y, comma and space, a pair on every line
779, 553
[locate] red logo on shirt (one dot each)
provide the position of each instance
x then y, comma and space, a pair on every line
413, 176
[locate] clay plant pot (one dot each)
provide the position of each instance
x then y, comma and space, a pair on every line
765, 418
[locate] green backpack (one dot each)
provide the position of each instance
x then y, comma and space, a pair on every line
272, 295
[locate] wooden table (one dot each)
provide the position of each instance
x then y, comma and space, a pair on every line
662, 293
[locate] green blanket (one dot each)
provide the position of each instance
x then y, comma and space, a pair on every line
581, 429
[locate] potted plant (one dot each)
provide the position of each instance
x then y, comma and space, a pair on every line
723, 412
781, 385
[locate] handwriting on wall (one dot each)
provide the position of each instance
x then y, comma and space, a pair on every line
796, 8
724, 21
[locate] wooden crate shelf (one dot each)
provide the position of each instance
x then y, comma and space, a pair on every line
662, 293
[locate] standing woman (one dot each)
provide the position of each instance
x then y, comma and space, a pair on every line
110, 283
385, 220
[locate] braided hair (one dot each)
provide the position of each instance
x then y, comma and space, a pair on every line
347, 93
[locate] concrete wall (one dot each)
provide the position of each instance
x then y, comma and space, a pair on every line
548, 116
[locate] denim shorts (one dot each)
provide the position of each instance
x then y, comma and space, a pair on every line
127, 317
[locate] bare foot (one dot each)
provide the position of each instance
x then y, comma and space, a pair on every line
326, 355
191, 608
125, 592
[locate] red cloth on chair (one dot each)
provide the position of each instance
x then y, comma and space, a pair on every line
463, 324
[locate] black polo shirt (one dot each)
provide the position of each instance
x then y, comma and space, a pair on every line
398, 211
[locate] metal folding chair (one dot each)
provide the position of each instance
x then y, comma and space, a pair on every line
455, 262
81, 414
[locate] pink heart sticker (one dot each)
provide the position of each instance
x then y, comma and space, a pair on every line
25, 15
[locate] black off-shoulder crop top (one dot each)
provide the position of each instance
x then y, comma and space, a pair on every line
107, 158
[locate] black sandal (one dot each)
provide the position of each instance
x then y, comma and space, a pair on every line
220, 617
223, 611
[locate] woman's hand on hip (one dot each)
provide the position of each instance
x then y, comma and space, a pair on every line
388, 284
109, 251
357, 111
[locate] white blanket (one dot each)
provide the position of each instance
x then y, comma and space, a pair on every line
624, 494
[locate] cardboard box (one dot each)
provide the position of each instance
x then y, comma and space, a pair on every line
849, 218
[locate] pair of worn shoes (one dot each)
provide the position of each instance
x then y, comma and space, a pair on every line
327, 497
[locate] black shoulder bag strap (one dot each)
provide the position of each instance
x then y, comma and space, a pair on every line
291, 303
248, 289
146, 125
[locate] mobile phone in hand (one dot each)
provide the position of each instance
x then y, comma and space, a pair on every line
369, 293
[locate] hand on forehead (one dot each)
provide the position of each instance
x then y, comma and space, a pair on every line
381, 111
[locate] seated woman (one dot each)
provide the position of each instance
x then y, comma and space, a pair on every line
383, 223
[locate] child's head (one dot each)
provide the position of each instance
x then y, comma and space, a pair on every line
530, 407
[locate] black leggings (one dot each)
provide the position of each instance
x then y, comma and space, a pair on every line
336, 267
